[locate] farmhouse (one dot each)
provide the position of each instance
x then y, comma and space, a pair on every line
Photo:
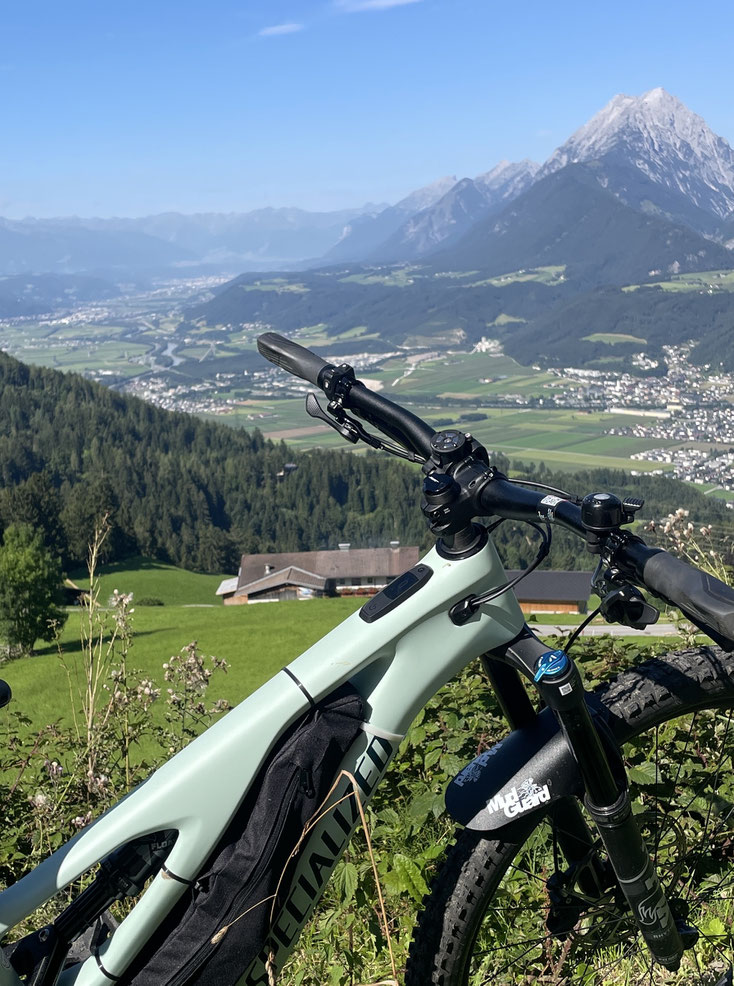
305, 574
364, 571
553, 591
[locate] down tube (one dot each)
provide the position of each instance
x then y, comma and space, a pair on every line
395, 688
367, 761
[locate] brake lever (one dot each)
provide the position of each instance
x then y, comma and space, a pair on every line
337, 418
627, 606
343, 425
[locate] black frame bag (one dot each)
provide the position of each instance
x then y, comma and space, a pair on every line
246, 866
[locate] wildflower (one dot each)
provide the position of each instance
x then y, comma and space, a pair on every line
53, 769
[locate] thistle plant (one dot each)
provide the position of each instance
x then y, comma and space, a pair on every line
187, 712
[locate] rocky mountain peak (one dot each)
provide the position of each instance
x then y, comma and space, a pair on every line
507, 179
423, 198
506, 171
662, 138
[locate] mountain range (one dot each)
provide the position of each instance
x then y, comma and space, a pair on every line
171, 243
642, 193
650, 152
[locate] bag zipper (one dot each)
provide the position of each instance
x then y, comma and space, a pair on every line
200, 957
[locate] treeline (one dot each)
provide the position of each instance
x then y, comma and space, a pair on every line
179, 489
561, 315
199, 494
662, 497
428, 304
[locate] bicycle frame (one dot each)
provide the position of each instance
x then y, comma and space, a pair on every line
397, 663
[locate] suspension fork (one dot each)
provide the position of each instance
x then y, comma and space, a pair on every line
607, 796
575, 840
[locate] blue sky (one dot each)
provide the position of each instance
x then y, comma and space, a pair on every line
111, 108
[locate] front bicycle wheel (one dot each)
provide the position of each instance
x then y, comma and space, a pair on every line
514, 912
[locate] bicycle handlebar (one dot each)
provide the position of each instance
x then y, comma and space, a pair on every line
390, 418
703, 599
707, 601
291, 357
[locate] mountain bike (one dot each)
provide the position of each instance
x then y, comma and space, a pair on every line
596, 840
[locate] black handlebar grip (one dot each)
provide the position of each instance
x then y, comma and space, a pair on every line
706, 601
289, 356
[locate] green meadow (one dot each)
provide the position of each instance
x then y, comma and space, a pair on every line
709, 281
569, 440
442, 388
255, 640
250, 638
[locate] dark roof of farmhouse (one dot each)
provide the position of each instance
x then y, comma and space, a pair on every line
286, 576
343, 563
553, 586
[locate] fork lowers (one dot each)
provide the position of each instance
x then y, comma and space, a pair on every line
638, 880
561, 687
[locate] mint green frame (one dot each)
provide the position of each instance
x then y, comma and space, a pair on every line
397, 664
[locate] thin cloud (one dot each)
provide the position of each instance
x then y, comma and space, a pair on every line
354, 6
268, 32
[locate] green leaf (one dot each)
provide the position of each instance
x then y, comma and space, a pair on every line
411, 878
643, 773
335, 975
345, 881
714, 928
432, 852
421, 806
389, 816
451, 764
432, 757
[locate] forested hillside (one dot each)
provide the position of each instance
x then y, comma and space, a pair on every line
198, 494
180, 489
397, 304
650, 313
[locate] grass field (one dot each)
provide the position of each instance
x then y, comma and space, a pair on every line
255, 640
711, 281
441, 388
613, 338
564, 439
254, 644
543, 275
146, 578
398, 278
461, 382
249, 638
278, 284
112, 357
567, 440
79, 348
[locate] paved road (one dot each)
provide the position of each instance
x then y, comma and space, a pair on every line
597, 630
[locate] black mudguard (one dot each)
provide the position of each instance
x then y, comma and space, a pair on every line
526, 771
